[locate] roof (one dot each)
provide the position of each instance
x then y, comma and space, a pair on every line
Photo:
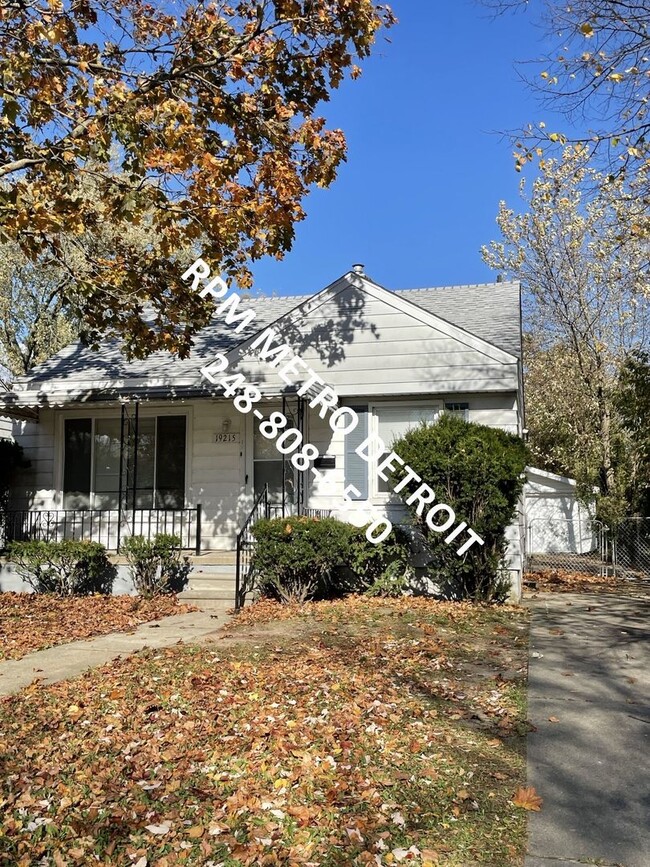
489, 311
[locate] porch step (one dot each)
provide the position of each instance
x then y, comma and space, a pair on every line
213, 558
213, 570
217, 586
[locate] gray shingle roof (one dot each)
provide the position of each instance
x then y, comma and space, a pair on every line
490, 311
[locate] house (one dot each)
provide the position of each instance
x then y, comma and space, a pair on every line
150, 445
560, 526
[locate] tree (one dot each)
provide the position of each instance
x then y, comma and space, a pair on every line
33, 322
36, 320
584, 271
599, 75
633, 404
212, 110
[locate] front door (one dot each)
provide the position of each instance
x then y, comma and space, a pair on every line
270, 466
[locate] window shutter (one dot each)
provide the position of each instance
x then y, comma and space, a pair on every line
356, 469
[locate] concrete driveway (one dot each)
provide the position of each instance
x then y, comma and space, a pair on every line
589, 759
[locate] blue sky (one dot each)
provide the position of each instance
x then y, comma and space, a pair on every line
426, 164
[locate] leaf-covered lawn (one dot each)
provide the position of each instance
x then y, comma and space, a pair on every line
31, 621
356, 732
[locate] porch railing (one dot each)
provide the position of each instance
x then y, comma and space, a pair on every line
244, 575
100, 525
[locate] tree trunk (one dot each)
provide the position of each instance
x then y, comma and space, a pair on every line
606, 470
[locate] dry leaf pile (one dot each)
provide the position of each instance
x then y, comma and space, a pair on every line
31, 621
563, 581
386, 733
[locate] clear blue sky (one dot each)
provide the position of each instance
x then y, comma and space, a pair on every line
426, 164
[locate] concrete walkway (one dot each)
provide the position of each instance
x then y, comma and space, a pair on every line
69, 660
590, 673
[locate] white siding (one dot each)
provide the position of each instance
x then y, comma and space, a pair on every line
217, 473
362, 345
6, 426
34, 487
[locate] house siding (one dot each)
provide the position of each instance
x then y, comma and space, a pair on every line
363, 345
217, 474
6, 428
34, 486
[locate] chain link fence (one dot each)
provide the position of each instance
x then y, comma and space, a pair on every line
589, 547
630, 544
572, 544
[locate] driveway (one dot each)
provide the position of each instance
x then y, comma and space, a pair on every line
589, 758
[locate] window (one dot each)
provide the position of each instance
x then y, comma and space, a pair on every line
91, 470
392, 422
460, 409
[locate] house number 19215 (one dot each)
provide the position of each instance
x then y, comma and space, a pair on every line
223, 438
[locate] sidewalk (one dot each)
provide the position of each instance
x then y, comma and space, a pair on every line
590, 671
69, 660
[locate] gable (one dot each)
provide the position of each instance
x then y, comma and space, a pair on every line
363, 340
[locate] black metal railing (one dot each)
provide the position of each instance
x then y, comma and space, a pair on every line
244, 573
245, 568
100, 525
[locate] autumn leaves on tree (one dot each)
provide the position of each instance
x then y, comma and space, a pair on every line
201, 124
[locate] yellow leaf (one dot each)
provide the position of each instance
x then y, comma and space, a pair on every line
196, 832
527, 798
587, 30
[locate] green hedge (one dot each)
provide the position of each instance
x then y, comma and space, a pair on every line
65, 568
300, 558
478, 471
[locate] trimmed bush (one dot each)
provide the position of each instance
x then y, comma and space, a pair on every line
64, 568
156, 565
478, 471
300, 558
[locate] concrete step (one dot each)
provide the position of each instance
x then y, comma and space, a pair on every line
226, 600
214, 569
211, 584
212, 558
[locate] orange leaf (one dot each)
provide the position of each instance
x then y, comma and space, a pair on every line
527, 798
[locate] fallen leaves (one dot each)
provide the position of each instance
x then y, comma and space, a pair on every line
353, 743
564, 581
32, 621
527, 798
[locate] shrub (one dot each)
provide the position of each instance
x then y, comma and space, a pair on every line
65, 568
156, 565
300, 558
478, 471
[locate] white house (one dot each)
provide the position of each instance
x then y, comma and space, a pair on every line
121, 446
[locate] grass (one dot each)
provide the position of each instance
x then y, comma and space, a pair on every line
347, 733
